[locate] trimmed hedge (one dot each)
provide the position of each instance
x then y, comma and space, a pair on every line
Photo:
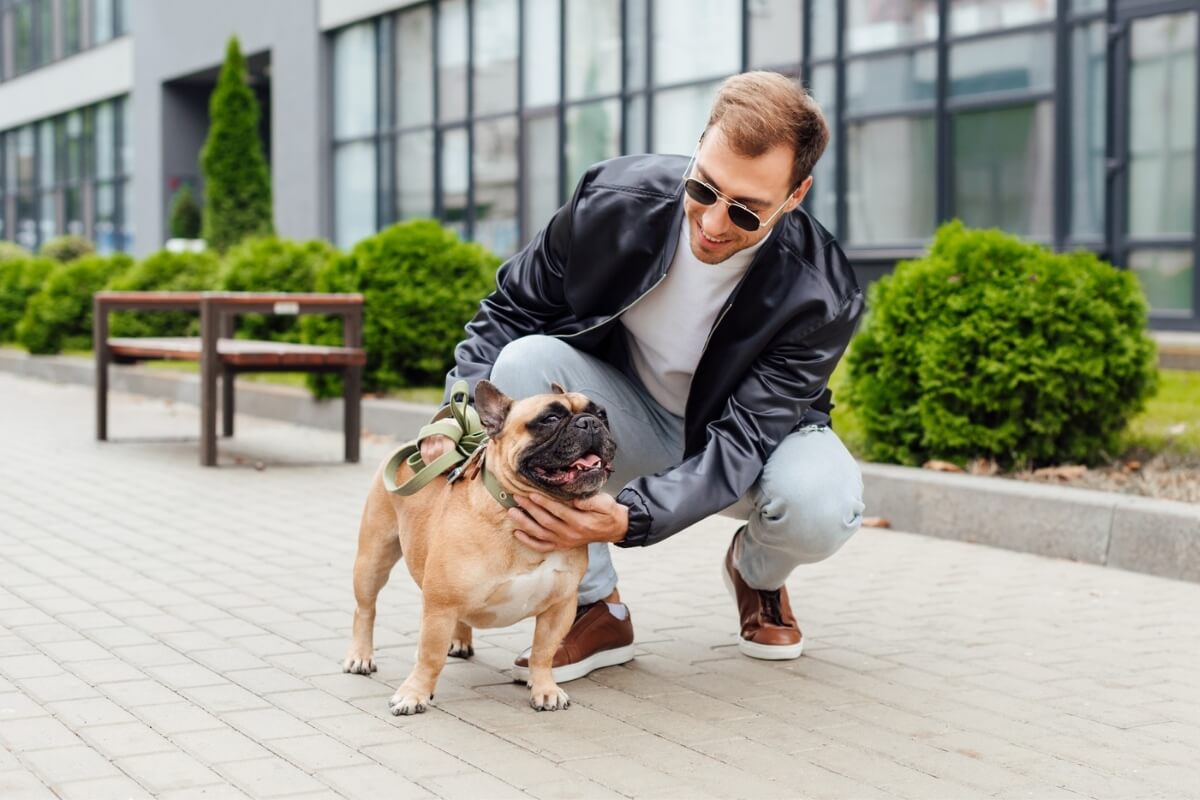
420, 287
67, 248
271, 264
994, 347
21, 277
59, 317
163, 272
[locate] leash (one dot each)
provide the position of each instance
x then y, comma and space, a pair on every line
460, 422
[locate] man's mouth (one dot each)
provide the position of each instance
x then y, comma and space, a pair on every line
587, 466
708, 241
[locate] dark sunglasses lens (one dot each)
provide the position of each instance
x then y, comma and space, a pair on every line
743, 218
699, 192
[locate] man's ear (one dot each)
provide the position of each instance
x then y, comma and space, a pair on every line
493, 406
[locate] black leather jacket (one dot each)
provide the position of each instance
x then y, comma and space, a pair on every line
764, 370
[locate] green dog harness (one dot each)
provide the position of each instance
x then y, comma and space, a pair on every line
460, 422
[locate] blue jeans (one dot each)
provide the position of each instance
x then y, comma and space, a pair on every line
807, 501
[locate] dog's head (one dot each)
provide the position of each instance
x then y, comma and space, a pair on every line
558, 443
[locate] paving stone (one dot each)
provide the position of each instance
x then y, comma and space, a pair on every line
269, 777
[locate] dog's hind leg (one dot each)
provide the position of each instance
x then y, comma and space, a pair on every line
460, 644
437, 629
378, 552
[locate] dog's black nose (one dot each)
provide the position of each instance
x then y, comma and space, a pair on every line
587, 422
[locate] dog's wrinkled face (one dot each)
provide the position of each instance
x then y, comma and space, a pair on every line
556, 443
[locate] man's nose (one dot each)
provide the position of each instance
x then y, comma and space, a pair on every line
715, 219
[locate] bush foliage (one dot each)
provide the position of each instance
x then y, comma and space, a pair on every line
185, 214
420, 286
20, 279
237, 181
270, 264
993, 347
67, 248
163, 272
59, 316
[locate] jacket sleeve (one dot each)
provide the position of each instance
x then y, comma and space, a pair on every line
764, 409
529, 294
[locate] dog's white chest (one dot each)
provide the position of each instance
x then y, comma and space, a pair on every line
525, 594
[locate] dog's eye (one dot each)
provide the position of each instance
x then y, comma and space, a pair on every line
550, 419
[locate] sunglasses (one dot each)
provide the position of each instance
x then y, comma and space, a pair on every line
706, 194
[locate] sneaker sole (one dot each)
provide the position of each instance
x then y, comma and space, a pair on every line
571, 672
763, 652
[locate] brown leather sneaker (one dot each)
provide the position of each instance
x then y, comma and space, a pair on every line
601, 636
769, 631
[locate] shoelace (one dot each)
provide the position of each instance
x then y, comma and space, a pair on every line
772, 608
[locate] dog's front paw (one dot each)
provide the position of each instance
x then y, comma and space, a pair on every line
358, 664
549, 698
405, 702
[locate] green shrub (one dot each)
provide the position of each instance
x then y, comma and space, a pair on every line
237, 181
185, 214
993, 347
12, 250
164, 272
20, 279
67, 248
420, 286
59, 317
271, 264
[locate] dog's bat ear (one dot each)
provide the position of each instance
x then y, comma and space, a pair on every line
557, 388
493, 406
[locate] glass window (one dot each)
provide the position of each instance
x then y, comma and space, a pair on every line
541, 61
635, 43
495, 165
680, 116
105, 141
975, 16
593, 49
102, 21
452, 59
890, 174
125, 229
696, 39
541, 172
593, 134
354, 172
871, 25
1003, 64
1088, 110
124, 16
495, 56
891, 82
1087, 6
354, 112
822, 198
104, 218
1162, 146
414, 175
22, 20
45, 12
125, 118
824, 28
47, 176
1168, 278
71, 22
1004, 169
775, 32
455, 180
414, 67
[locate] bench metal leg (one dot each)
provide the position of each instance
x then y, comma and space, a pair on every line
352, 411
209, 368
100, 345
227, 376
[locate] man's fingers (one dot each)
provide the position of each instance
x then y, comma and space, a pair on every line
542, 516
532, 543
527, 523
565, 518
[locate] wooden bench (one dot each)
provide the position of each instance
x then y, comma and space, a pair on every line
219, 354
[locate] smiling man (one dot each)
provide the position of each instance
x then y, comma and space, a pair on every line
705, 309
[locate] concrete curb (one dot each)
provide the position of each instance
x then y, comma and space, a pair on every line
1158, 537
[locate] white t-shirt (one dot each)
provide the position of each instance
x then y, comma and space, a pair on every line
667, 328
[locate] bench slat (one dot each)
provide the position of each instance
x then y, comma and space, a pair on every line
240, 352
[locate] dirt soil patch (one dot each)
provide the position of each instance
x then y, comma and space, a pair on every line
1167, 476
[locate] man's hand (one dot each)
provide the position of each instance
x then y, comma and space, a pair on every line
433, 447
546, 524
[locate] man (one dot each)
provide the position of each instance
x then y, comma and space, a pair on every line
697, 302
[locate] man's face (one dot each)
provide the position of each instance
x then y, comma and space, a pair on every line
760, 183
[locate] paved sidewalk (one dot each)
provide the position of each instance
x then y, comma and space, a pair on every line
173, 631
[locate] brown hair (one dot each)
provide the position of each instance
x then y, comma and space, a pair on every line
759, 110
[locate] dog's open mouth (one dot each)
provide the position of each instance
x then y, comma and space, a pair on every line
587, 466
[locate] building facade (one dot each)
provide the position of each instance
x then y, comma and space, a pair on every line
1069, 122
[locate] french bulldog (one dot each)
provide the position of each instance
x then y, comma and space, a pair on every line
458, 542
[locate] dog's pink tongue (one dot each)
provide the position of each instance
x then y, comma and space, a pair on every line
587, 462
